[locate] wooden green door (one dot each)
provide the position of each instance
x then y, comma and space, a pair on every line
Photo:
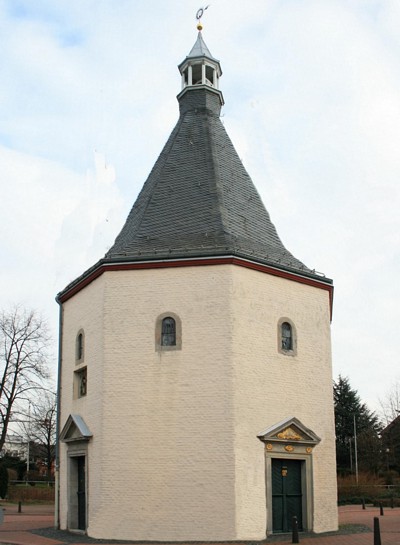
287, 497
81, 492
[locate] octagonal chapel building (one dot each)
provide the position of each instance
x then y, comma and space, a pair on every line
195, 398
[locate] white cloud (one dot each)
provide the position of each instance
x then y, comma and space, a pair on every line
89, 228
54, 221
312, 94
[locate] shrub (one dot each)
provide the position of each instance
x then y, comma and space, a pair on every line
369, 487
31, 494
12, 474
3, 481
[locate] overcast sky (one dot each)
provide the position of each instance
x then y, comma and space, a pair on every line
312, 91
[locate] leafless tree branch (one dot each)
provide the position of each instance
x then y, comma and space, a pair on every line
24, 341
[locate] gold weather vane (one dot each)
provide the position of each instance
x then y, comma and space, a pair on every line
199, 15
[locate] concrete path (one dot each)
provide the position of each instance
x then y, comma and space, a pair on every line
17, 528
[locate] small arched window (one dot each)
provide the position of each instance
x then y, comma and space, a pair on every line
168, 332
286, 336
80, 346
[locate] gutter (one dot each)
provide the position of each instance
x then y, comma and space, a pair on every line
109, 263
309, 277
57, 465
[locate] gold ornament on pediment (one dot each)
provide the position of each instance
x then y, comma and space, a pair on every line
309, 450
289, 434
268, 446
289, 448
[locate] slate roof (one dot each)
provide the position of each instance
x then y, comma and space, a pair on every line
198, 199
200, 49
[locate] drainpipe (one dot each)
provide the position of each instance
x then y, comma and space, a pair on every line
57, 465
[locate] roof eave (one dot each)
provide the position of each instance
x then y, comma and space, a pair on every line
189, 60
181, 260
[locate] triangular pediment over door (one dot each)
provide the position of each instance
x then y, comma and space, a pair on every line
290, 435
75, 429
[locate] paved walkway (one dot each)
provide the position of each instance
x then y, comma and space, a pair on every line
20, 528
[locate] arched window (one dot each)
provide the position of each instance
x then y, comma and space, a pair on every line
286, 336
80, 346
168, 332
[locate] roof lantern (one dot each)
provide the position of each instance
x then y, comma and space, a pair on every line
200, 67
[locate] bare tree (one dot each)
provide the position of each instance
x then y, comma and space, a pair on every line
39, 428
24, 341
390, 404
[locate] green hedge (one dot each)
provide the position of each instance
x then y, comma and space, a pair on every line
371, 494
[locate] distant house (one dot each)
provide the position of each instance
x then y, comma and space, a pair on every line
391, 444
16, 446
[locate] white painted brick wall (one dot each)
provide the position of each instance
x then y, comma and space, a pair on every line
270, 386
84, 311
174, 454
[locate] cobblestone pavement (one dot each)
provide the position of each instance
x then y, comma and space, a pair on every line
34, 526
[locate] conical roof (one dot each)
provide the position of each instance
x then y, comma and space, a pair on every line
198, 199
200, 49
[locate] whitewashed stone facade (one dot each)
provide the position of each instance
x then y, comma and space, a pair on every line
174, 453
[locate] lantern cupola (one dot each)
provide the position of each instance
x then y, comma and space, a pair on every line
200, 68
